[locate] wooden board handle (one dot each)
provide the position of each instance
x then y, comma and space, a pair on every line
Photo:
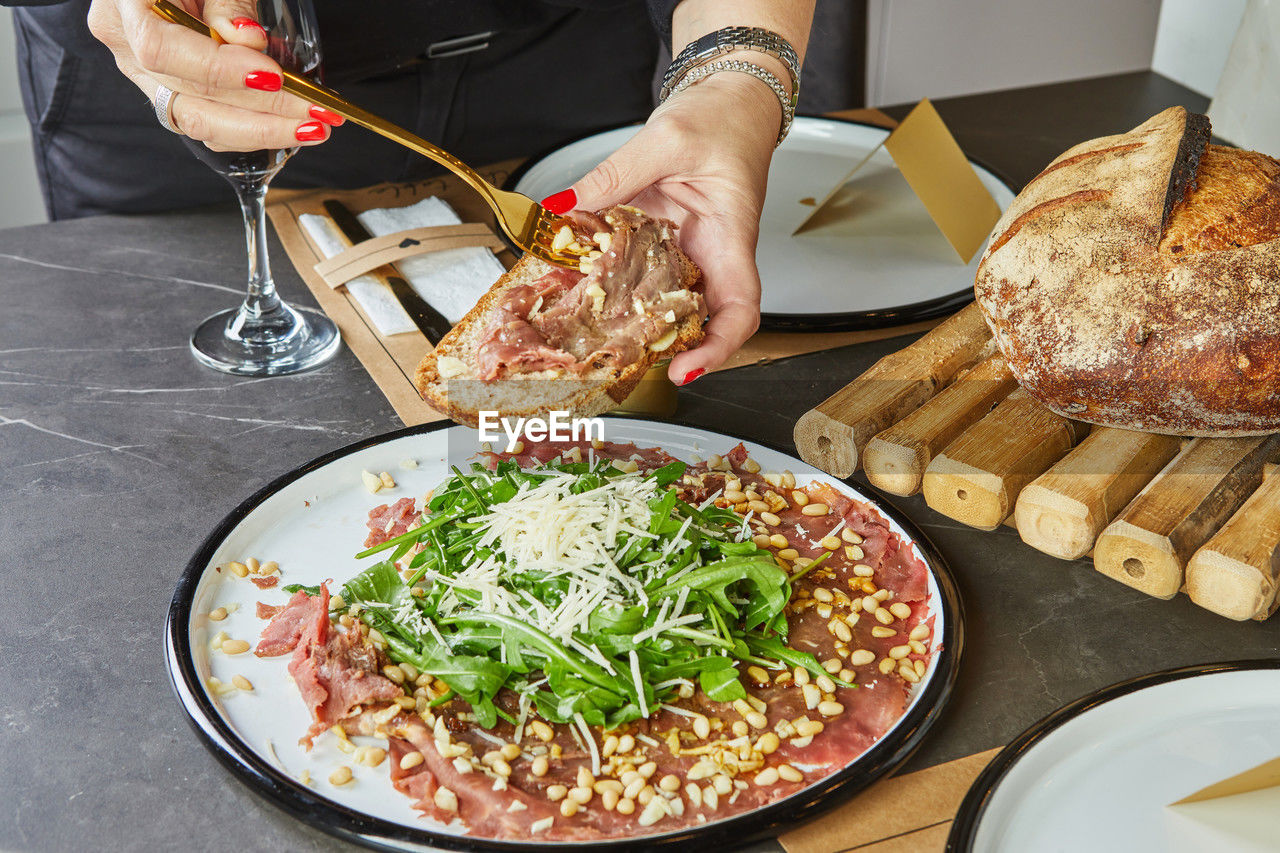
1062, 512
979, 476
1236, 573
1148, 545
831, 435
896, 458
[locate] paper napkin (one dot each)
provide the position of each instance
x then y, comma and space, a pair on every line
451, 280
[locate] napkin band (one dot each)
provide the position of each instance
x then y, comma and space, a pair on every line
370, 254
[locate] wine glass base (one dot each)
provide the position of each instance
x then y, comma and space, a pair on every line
293, 341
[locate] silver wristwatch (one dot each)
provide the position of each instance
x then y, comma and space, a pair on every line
704, 50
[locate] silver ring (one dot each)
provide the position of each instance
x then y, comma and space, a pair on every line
164, 108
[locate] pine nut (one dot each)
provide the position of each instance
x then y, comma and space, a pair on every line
252, 565
788, 553
812, 695
394, 673
734, 496
862, 570
920, 667
541, 730
410, 760
609, 799
825, 684
907, 671
654, 811
669, 783
809, 728
501, 767
848, 675
799, 498
900, 609
883, 616
802, 676
789, 773
899, 652
850, 536
788, 480
710, 798
832, 665
647, 769
869, 604
767, 776
768, 743
610, 746
881, 632
751, 466
832, 709
374, 756
815, 509
646, 795
920, 632
881, 595
831, 543
626, 743
758, 675
694, 793
823, 611
770, 519
581, 796
823, 594
341, 776
241, 682
585, 779
757, 720
234, 647
740, 728
626, 806
761, 540
714, 460
722, 784
918, 647
600, 786
702, 727
759, 508
854, 552
777, 540
840, 630
217, 614
238, 569
510, 752
886, 665
801, 742
462, 765
556, 793
568, 808
861, 657
270, 567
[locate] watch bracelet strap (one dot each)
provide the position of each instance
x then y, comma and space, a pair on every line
701, 72
726, 40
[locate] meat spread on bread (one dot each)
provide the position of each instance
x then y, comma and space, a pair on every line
1135, 282
590, 335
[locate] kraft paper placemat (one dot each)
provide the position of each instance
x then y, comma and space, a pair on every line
901, 814
391, 361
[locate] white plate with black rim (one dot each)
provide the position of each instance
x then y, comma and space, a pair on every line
1102, 773
312, 518
886, 265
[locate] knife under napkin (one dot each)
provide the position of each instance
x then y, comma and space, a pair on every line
430, 321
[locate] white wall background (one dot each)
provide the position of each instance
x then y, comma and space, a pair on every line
915, 49
20, 200
1193, 40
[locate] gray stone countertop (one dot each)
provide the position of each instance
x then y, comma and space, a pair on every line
118, 454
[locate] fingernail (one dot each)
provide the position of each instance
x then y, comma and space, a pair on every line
330, 118
247, 23
311, 131
692, 375
266, 81
562, 202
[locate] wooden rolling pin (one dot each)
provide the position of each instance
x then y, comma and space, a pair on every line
1065, 509
832, 435
1235, 574
896, 458
978, 477
1149, 544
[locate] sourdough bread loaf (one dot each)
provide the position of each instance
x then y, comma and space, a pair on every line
1135, 282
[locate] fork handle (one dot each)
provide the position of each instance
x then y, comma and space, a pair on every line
331, 100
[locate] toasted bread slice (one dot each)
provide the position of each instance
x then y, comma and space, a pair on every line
457, 392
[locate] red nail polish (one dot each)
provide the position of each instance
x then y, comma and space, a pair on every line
692, 375
311, 131
247, 23
330, 118
266, 81
562, 202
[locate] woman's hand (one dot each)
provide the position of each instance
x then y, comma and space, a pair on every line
228, 95
702, 161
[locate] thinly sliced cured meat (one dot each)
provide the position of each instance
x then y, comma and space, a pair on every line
389, 521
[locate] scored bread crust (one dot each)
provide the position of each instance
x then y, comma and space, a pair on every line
521, 396
1135, 282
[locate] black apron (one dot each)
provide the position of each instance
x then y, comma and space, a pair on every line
548, 72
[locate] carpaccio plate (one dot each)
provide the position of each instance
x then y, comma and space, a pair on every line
313, 518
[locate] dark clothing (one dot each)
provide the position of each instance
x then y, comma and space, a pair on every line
552, 70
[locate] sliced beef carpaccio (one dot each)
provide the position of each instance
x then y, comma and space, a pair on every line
389, 521
338, 674
335, 671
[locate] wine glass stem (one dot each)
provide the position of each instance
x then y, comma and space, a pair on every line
261, 299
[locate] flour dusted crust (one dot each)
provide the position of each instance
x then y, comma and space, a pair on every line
1135, 283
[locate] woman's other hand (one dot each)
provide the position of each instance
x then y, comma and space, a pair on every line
702, 161
228, 95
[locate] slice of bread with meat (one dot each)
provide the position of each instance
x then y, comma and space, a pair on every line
454, 381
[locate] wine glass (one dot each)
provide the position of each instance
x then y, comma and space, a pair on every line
266, 336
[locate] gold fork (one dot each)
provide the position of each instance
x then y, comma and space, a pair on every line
529, 225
